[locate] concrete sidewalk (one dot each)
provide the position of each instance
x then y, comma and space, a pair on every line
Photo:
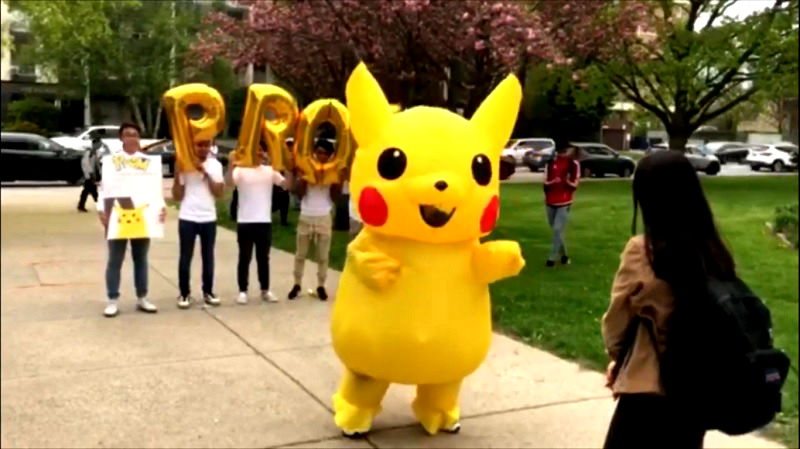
259, 375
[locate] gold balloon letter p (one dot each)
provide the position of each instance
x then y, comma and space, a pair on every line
196, 112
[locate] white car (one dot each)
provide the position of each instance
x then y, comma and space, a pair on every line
777, 157
517, 148
109, 134
702, 159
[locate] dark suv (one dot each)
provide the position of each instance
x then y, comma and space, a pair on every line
30, 157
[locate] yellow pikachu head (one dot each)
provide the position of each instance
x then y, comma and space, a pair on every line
131, 223
426, 173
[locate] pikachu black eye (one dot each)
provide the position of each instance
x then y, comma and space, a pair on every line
481, 169
392, 163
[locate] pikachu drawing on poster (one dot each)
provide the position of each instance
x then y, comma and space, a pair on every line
413, 303
131, 223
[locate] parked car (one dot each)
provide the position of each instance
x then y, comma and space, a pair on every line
166, 149
109, 134
702, 159
31, 157
540, 149
728, 151
598, 160
776, 157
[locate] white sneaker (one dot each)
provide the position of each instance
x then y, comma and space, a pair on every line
242, 298
146, 306
267, 296
184, 302
111, 309
211, 299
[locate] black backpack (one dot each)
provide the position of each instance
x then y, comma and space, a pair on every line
719, 364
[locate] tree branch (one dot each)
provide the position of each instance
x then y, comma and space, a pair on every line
723, 109
631, 91
718, 11
694, 10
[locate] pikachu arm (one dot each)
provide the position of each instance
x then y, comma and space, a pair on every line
372, 266
493, 261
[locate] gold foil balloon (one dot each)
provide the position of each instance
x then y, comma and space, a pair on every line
270, 114
196, 112
319, 112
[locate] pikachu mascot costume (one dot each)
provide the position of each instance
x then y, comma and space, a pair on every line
413, 302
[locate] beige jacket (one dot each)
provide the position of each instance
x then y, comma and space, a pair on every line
636, 291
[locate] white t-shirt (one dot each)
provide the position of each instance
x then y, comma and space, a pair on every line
198, 203
255, 193
350, 203
316, 202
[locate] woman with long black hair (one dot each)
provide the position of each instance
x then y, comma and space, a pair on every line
660, 272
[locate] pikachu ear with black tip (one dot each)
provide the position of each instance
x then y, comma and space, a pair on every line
367, 104
497, 114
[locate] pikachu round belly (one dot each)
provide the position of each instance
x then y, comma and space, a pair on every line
431, 325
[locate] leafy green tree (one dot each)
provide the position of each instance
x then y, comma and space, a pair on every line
561, 104
121, 46
692, 64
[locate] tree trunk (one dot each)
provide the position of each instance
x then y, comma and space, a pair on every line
148, 111
87, 97
158, 121
137, 112
677, 141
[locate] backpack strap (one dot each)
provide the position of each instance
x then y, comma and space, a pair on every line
628, 340
650, 331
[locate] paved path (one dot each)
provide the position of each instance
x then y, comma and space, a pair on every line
234, 376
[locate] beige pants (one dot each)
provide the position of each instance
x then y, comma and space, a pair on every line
318, 231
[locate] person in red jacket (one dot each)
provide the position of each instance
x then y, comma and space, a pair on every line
562, 175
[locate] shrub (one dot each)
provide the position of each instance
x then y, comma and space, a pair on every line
25, 127
34, 110
786, 222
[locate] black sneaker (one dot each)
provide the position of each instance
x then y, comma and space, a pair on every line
82, 209
550, 263
322, 294
294, 292
565, 260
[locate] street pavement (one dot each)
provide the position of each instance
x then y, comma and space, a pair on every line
259, 375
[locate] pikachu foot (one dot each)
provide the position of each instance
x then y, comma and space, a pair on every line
434, 420
354, 421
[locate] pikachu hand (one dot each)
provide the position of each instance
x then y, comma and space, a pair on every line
493, 261
375, 268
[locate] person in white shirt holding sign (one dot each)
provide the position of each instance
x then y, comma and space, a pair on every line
254, 219
197, 192
129, 135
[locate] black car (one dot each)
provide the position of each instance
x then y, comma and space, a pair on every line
599, 160
166, 150
31, 157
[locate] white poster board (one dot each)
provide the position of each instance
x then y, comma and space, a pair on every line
133, 196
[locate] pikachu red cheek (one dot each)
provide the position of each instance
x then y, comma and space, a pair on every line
372, 207
490, 214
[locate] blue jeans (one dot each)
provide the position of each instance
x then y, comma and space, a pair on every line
557, 217
116, 255
188, 231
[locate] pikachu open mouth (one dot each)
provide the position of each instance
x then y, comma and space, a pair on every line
435, 217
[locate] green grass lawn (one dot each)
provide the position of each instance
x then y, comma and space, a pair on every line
560, 309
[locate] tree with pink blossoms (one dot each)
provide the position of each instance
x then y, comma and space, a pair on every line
422, 51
